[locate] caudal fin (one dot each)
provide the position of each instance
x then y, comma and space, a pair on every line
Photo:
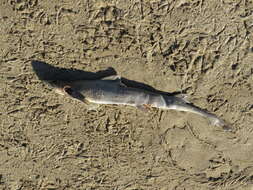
181, 104
215, 121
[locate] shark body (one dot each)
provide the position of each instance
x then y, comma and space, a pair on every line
111, 90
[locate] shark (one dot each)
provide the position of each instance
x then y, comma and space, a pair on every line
111, 90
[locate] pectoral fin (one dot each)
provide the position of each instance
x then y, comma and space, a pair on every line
74, 94
92, 106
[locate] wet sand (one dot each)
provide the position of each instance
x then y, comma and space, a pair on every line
204, 48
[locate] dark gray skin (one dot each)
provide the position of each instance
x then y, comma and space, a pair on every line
110, 90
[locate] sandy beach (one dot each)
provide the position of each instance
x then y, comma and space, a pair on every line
202, 48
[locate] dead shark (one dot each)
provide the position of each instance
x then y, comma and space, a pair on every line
110, 90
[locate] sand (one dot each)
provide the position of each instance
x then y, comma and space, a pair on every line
202, 48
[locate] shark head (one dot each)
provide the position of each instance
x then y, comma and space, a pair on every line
65, 88
58, 86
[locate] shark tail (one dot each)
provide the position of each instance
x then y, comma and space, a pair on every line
180, 104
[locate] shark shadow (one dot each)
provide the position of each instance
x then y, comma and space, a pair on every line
47, 72
53, 75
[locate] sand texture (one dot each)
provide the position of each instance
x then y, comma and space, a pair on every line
200, 47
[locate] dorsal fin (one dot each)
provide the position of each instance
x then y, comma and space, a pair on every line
115, 78
73, 93
112, 77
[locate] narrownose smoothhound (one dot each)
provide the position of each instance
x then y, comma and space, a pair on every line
110, 90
